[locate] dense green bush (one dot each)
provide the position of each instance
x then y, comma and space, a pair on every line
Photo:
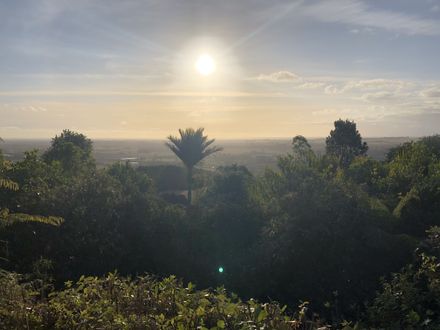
410, 299
114, 302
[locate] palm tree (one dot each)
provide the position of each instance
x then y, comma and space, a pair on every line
191, 148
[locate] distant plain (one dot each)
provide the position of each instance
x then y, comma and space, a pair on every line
255, 154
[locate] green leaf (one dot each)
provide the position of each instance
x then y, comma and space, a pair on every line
221, 324
263, 314
200, 311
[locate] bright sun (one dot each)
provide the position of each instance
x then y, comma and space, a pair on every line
205, 65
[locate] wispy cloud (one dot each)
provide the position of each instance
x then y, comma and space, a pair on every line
357, 13
378, 84
331, 90
138, 93
311, 85
378, 96
367, 85
432, 92
87, 76
278, 77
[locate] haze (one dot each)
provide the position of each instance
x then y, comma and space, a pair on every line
128, 69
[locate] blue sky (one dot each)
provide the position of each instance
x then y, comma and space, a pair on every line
125, 69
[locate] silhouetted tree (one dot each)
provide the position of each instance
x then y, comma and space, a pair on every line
191, 148
345, 142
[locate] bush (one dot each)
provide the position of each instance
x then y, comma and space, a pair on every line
411, 298
115, 302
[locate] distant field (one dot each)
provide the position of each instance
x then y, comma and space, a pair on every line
255, 154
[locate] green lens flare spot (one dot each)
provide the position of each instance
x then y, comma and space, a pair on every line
221, 270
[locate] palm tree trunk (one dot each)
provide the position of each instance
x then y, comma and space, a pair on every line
189, 178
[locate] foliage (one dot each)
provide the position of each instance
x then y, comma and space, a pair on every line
321, 233
412, 184
345, 142
8, 218
191, 148
411, 299
8, 184
72, 150
166, 177
311, 229
114, 302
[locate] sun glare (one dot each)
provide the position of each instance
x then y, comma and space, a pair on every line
205, 65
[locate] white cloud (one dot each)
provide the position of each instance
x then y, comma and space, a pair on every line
280, 76
432, 92
368, 85
365, 30
378, 96
34, 108
388, 84
327, 112
331, 90
311, 85
356, 12
22, 107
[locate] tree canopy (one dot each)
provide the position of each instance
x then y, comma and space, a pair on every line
321, 229
345, 142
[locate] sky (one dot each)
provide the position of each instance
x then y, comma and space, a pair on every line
127, 69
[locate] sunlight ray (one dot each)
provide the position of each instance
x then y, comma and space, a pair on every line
243, 40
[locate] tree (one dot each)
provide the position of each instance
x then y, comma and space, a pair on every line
72, 150
302, 151
191, 148
412, 185
345, 142
8, 218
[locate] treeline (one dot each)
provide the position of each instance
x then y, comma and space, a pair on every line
319, 228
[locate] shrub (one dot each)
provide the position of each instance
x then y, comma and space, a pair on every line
115, 302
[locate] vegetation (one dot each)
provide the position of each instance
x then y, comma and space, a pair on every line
191, 148
345, 142
8, 218
337, 230
411, 298
113, 302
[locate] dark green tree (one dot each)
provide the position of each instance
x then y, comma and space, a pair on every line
8, 218
410, 299
412, 185
345, 142
191, 148
72, 150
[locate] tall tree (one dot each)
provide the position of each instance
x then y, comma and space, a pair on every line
73, 150
191, 148
345, 142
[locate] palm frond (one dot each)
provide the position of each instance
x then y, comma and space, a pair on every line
210, 151
206, 144
192, 146
7, 218
8, 184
